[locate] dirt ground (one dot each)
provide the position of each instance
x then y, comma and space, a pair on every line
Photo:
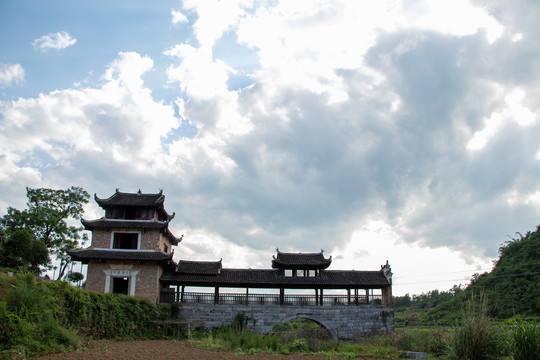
164, 350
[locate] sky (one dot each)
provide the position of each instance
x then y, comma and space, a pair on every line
391, 130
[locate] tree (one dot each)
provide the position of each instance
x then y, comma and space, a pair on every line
75, 277
47, 219
21, 244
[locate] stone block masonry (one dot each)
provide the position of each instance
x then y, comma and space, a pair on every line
344, 322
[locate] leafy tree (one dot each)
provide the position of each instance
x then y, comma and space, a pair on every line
75, 277
21, 244
47, 217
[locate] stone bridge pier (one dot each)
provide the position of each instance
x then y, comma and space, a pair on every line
343, 322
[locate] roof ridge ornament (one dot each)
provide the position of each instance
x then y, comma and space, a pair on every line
387, 271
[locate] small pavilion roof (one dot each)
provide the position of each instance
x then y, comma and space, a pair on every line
199, 267
300, 261
137, 199
84, 255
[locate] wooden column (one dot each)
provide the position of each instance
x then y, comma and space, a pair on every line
182, 294
247, 296
321, 301
367, 296
316, 296
281, 296
216, 295
349, 296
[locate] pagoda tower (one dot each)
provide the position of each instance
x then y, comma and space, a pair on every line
131, 245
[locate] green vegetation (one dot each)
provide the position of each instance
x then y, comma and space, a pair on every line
476, 337
524, 340
511, 288
31, 236
294, 337
46, 316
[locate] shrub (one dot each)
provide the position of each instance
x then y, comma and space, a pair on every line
423, 340
475, 337
298, 345
524, 342
44, 316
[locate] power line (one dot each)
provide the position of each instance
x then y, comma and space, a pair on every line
491, 277
465, 271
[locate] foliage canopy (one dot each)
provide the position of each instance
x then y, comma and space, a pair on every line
42, 230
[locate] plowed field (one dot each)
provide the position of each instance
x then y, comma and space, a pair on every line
165, 349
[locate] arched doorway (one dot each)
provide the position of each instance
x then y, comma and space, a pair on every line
302, 326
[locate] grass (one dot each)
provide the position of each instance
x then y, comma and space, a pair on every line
524, 340
475, 336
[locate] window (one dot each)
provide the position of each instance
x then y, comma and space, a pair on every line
288, 272
120, 285
129, 241
300, 273
130, 213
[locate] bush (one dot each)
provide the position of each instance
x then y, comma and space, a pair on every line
45, 316
475, 337
419, 340
524, 342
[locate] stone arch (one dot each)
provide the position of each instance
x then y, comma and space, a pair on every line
332, 332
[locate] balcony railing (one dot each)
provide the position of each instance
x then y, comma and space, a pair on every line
169, 296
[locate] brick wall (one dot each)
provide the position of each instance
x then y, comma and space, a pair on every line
148, 286
95, 277
150, 240
147, 280
101, 239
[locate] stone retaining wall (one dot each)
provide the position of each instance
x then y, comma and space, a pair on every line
344, 322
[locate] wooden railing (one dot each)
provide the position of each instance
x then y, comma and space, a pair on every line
169, 296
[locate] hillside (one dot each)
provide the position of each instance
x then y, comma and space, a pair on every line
511, 288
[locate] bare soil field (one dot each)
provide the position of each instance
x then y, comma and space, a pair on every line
165, 350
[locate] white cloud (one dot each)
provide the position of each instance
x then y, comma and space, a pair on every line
198, 74
119, 122
416, 268
11, 73
58, 40
511, 109
177, 17
215, 17
354, 112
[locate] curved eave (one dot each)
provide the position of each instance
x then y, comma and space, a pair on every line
172, 239
85, 255
124, 224
280, 265
124, 199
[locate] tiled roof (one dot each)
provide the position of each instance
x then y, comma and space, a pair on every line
108, 254
199, 267
300, 261
267, 278
132, 199
163, 226
114, 223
